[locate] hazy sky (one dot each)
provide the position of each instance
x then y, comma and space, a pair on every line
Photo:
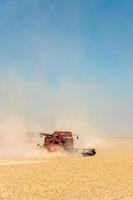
68, 62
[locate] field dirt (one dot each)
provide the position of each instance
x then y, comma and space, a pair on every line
108, 175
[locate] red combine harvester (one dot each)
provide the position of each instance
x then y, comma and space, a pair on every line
63, 140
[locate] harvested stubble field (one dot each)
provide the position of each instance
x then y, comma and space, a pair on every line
108, 175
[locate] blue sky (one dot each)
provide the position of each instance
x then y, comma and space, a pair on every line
85, 44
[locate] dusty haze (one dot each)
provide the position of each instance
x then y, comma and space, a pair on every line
32, 105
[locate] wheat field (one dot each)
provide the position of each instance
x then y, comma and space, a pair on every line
108, 175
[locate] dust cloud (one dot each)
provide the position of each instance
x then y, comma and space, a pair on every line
33, 106
15, 144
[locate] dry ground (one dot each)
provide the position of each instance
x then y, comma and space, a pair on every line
108, 175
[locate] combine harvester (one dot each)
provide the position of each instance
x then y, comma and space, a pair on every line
63, 141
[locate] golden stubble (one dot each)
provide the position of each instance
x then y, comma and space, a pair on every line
108, 175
